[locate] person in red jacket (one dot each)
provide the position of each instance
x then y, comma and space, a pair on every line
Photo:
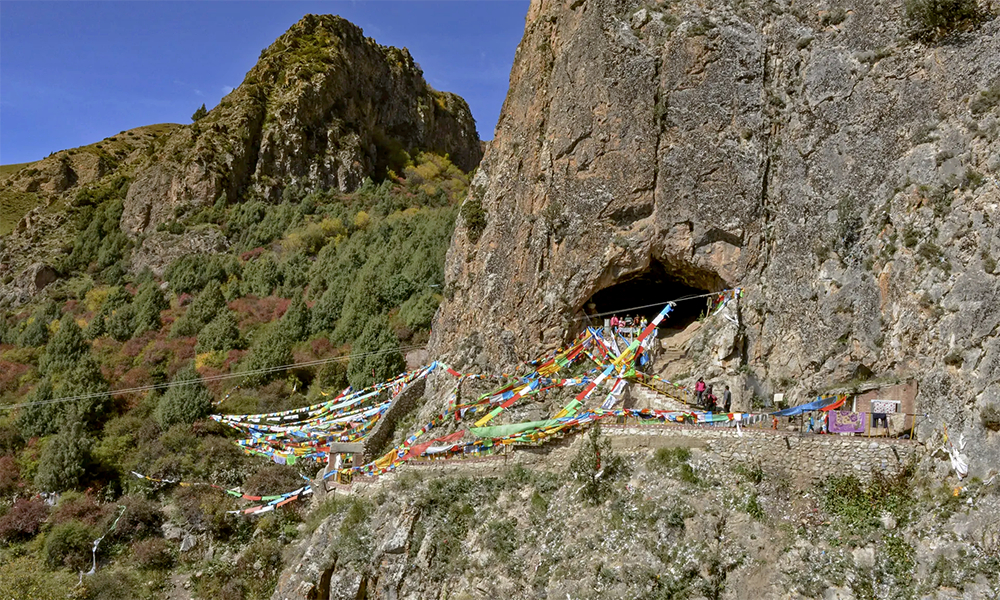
699, 389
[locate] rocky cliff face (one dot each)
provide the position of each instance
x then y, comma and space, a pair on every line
813, 154
324, 107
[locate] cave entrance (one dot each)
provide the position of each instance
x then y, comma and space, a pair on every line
653, 286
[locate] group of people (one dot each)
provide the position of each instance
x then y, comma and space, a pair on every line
707, 399
628, 322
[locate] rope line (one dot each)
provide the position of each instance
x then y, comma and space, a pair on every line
675, 300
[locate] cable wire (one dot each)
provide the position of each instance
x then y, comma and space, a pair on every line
675, 300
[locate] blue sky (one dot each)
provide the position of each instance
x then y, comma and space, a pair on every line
73, 73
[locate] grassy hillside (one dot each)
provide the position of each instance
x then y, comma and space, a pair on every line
6, 170
27, 185
305, 278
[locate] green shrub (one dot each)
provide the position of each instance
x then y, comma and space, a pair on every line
273, 479
64, 349
117, 298
271, 347
375, 355
261, 276
859, 505
417, 312
192, 272
69, 545
597, 467
501, 538
121, 323
141, 519
985, 100
65, 461
184, 403
295, 321
326, 311
149, 301
41, 417
206, 305
36, 330
220, 335
474, 216
932, 20
199, 114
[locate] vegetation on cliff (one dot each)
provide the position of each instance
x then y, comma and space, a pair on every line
319, 274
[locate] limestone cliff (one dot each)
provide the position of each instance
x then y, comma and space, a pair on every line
324, 107
812, 153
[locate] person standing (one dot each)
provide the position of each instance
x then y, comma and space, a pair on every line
727, 399
699, 389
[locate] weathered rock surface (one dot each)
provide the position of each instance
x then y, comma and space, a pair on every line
159, 249
835, 171
324, 107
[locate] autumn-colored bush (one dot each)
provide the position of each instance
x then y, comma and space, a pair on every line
272, 480
153, 553
141, 519
10, 475
74, 506
207, 509
11, 439
10, 375
23, 520
252, 311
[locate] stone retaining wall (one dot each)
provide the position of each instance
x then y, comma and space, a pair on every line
805, 459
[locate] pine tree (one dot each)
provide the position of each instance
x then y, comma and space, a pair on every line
271, 348
65, 460
199, 114
64, 348
121, 324
295, 321
36, 331
148, 304
206, 305
377, 356
184, 403
221, 334
326, 310
596, 466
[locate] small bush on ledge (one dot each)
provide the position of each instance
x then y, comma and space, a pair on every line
990, 417
933, 20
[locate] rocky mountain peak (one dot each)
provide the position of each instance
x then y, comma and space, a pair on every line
323, 107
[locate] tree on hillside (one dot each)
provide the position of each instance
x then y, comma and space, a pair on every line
184, 403
36, 330
221, 334
64, 348
65, 460
199, 114
148, 304
596, 466
295, 321
206, 305
272, 347
376, 355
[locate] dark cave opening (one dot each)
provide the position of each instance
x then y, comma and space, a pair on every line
644, 294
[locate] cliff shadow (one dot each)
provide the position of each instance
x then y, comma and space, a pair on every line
644, 294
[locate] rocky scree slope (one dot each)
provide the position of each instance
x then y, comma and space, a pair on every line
812, 153
324, 107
